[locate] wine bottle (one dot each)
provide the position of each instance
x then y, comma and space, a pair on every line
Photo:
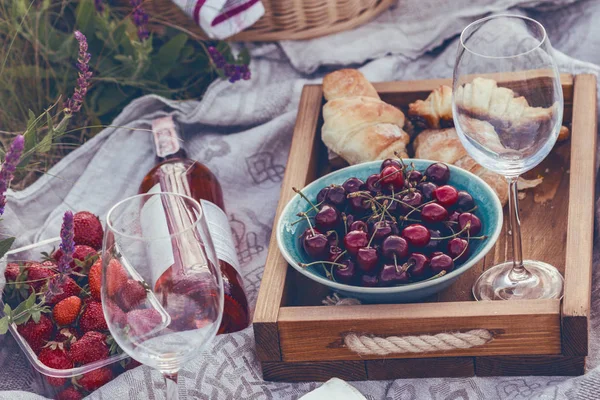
175, 172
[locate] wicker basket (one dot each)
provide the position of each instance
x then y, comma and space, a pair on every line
283, 19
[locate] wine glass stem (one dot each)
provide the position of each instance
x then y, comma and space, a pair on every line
518, 271
171, 385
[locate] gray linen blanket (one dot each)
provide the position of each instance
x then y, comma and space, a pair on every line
243, 132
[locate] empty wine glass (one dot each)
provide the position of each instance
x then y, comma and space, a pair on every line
507, 106
162, 292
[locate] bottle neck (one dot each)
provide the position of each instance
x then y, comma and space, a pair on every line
167, 141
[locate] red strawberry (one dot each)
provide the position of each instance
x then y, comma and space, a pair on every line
14, 281
69, 393
81, 253
131, 294
69, 288
92, 318
65, 312
88, 229
116, 315
143, 321
91, 347
55, 358
67, 336
36, 334
96, 378
95, 279
116, 277
38, 274
12, 272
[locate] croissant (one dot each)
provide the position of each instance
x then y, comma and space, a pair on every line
358, 126
433, 112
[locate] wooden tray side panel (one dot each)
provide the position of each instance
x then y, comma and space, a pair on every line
530, 365
300, 170
442, 367
580, 230
314, 371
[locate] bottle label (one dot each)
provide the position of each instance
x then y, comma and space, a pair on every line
166, 140
220, 232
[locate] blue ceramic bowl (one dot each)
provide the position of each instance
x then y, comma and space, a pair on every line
288, 235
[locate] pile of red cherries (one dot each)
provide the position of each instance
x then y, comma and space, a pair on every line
397, 227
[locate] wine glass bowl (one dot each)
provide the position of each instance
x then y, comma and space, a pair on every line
162, 291
507, 108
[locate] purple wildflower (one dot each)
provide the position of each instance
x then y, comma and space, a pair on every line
140, 19
73, 104
7, 172
232, 71
99, 6
67, 244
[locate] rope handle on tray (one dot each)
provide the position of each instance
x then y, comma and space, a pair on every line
382, 346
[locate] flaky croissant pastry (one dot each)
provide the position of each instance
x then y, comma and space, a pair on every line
358, 126
433, 112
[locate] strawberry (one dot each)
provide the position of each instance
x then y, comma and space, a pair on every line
96, 378
95, 279
69, 393
117, 316
67, 336
36, 334
65, 312
38, 274
143, 321
55, 358
88, 229
12, 272
91, 347
69, 288
92, 318
131, 294
116, 277
15, 276
82, 254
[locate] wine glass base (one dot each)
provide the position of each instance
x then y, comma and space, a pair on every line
543, 282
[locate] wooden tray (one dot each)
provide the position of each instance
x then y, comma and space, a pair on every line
299, 339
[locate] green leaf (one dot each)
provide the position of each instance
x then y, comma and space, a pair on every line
36, 315
168, 55
3, 325
5, 245
22, 319
244, 57
7, 310
30, 302
45, 144
85, 13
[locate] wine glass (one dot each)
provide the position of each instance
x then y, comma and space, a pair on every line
162, 292
507, 105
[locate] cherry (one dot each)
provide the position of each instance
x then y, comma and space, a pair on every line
336, 196
352, 185
332, 238
354, 240
413, 199
382, 229
433, 244
367, 259
464, 202
392, 274
416, 235
394, 246
373, 183
419, 264
390, 162
359, 226
359, 205
345, 274
392, 176
438, 173
327, 218
473, 220
446, 195
433, 212
414, 177
315, 244
454, 217
369, 280
436, 253
334, 253
322, 195
441, 262
349, 220
458, 249
427, 189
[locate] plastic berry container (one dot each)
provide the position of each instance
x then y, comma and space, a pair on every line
42, 372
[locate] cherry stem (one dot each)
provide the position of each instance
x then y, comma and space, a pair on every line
385, 203
345, 219
328, 273
397, 200
388, 175
419, 207
322, 262
442, 273
338, 257
463, 250
466, 228
309, 224
301, 219
400, 159
305, 198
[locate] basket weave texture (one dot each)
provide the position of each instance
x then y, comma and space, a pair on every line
284, 19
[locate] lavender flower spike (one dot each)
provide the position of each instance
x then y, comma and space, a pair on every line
140, 19
67, 244
9, 167
73, 104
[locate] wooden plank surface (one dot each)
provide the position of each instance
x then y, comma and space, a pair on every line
580, 231
314, 371
529, 365
300, 169
449, 367
519, 327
